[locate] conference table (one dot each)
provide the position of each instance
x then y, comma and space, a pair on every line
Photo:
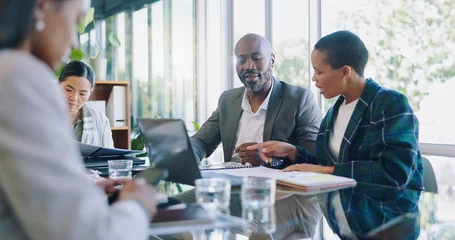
373, 212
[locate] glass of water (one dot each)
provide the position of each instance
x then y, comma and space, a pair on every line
260, 220
213, 193
258, 192
120, 169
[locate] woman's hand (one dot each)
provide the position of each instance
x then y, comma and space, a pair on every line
270, 149
108, 185
142, 192
304, 167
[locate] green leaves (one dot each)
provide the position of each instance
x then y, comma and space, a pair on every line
89, 17
76, 54
196, 126
59, 71
113, 39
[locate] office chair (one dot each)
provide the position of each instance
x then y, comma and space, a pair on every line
429, 178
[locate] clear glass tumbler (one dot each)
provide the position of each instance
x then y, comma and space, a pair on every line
213, 193
120, 169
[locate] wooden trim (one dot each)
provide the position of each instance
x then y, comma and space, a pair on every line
119, 128
109, 82
128, 112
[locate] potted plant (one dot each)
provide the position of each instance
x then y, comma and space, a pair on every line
98, 63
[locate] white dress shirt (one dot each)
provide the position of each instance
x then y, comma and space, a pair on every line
251, 124
336, 137
44, 191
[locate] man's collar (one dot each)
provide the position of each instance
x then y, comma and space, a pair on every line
246, 101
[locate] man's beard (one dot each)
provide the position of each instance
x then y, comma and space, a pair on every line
256, 86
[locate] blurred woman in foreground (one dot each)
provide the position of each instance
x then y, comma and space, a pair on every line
44, 193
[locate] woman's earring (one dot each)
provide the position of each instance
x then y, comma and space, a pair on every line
40, 25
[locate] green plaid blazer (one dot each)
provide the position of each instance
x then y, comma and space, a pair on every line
379, 147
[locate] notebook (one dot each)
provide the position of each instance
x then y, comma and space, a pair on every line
226, 165
300, 181
96, 152
96, 157
317, 181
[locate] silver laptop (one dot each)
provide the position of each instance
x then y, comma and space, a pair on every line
169, 147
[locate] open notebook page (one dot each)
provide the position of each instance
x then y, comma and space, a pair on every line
226, 165
299, 180
263, 172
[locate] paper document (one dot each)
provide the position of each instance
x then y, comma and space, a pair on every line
263, 172
296, 180
226, 165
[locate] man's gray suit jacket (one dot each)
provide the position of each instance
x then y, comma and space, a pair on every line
292, 116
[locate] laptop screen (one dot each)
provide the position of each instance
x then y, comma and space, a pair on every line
168, 147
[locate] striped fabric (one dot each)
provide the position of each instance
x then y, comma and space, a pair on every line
96, 129
380, 147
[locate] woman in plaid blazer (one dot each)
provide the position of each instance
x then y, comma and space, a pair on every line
370, 134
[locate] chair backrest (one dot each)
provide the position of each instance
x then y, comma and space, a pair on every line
429, 178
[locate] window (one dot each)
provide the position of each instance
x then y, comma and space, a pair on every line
290, 41
213, 70
157, 65
214, 85
121, 52
140, 62
163, 60
182, 82
249, 17
412, 50
110, 52
84, 40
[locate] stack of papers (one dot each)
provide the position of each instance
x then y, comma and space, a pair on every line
226, 165
304, 181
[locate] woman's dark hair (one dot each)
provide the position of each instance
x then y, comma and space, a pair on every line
17, 21
344, 48
77, 69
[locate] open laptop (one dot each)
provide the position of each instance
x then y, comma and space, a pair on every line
169, 147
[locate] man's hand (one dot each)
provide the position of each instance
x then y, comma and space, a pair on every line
270, 149
248, 156
304, 167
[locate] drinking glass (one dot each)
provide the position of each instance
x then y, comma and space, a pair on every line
260, 220
120, 169
258, 192
213, 193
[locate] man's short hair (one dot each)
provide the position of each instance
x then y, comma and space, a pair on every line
344, 48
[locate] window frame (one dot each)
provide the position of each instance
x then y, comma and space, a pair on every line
227, 67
